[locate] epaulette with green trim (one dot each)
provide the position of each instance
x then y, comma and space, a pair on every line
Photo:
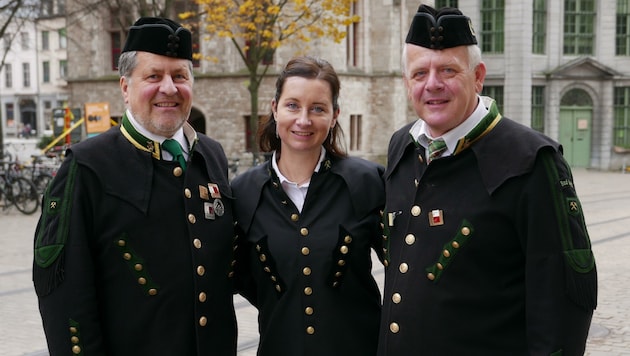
581, 275
52, 231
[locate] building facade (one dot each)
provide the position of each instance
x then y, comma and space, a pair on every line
559, 66
33, 74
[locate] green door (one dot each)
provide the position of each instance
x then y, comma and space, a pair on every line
575, 135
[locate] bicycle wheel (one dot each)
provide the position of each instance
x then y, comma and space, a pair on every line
41, 182
5, 200
25, 195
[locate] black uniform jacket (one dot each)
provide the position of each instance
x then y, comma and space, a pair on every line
309, 273
133, 256
488, 250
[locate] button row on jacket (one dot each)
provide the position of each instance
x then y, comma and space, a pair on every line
267, 266
75, 341
137, 266
200, 270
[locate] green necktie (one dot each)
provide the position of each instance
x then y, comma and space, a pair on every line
436, 148
173, 147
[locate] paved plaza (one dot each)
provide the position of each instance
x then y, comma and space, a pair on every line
605, 197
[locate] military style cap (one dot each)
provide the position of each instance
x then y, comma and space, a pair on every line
159, 36
439, 29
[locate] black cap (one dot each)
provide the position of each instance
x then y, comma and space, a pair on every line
160, 36
439, 29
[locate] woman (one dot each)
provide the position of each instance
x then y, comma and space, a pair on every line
307, 220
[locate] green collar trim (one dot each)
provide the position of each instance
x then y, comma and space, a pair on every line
483, 127
139, 140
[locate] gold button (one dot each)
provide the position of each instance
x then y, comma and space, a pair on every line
386, 263
335, 284
343, 249
273, 278
310, 330
430, 276
203, 321
267, 269
415, 210
341, 262
177, 171
306, 271
446, 253
294, 217
231, 274
187, 193
439, 266
142, 281
403, 268
347, 239
197, 243
127, 256
201, 270
465, 231
74, 340
191, 218
152, 291
258, 248
308, 290
73, 330
278, 288
275, 185
393, 327
338, 274
76, 349
415, 181
396, 298
262, 257
305, 251
121, 243
137, 267
410, 239
308, 311
455, 244
304, 231
202, 297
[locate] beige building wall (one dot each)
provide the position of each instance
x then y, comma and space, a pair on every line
373, 88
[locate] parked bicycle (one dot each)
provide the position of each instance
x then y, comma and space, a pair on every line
16, 190
40, 170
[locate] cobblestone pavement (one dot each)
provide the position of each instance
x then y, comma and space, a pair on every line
605, 197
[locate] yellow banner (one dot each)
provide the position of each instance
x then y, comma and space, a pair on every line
97, 117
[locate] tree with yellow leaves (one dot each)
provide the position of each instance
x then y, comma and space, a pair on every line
258, 27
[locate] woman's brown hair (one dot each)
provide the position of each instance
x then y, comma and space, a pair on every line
311, 68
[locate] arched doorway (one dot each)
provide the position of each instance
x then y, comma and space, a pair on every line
28, 117
197, 120
576, 116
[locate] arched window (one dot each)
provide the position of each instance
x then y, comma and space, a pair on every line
576, 97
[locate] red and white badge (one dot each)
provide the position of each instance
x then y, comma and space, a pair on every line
436, 217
